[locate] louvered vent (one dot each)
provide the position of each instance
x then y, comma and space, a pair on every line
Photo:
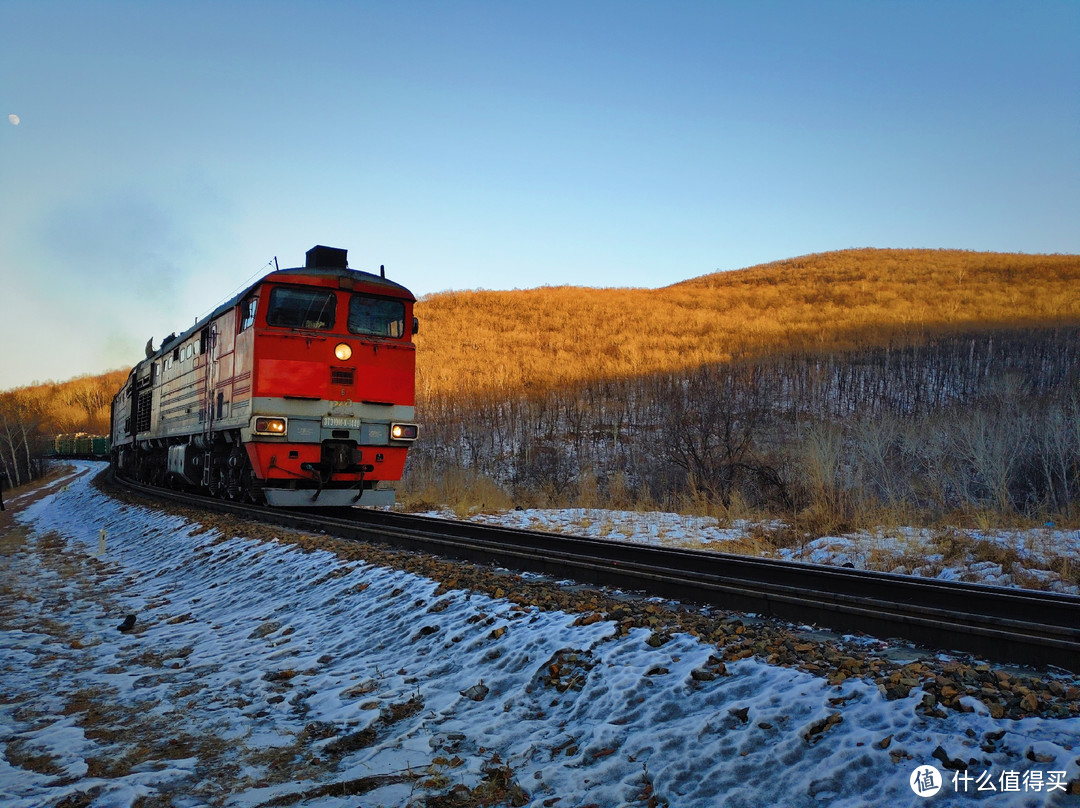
340, 377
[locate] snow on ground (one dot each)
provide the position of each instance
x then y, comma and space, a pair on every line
260, 674
999, 557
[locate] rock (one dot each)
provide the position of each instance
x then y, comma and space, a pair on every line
477, 692
424, 632
658, 638
279, 676
949, 763
813, 734
850, 664
716, 666
589, 619
128, 624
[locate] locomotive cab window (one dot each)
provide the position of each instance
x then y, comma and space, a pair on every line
248, 309
301, 308
376, 317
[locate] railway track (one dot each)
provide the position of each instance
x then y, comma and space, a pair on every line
1021, 626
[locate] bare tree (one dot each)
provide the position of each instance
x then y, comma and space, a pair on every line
20, 419
715, 417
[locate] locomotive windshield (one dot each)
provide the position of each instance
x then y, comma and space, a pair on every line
376, 316
291, 307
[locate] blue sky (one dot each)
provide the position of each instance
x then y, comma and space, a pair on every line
165, 152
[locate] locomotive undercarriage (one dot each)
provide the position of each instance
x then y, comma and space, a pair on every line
228, 474
223, 470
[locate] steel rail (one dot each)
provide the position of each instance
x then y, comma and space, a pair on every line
1014, 625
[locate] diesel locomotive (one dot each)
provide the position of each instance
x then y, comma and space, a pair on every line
298, 392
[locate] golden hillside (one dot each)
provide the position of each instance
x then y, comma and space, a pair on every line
534, 339
505, 341
81, 404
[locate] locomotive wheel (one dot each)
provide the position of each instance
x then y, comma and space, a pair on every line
250, 490
237, 466
222, 484
214, 483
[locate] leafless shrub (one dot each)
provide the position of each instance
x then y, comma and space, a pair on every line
984, 426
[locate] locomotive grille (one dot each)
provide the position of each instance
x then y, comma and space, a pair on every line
342, 376
142, 411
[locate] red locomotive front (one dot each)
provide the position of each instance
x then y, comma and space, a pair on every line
299, 391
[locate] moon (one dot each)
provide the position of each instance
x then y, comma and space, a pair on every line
14, 119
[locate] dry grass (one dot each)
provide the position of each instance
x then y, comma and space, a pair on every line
532, 340
505, 343
21, 754
509, 342
463, 491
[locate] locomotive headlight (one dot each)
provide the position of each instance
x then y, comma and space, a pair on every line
404, 431
342, 351
270, 426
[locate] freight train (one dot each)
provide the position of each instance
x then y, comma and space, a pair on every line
78, 445
298, 392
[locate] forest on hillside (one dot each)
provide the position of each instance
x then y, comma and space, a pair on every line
829, 391
509, 343
967, 426
30, 414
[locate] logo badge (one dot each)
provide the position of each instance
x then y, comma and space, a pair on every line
925, 781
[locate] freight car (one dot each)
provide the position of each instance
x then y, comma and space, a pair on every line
78, 445
297, 392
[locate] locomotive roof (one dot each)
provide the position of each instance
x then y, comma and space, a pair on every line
359, 277
385, 286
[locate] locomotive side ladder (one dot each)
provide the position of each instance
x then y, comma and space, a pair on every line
209, 380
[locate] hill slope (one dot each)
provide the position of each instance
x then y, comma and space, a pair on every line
506, 342
500, 342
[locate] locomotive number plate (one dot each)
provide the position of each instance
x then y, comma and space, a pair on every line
334, 422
